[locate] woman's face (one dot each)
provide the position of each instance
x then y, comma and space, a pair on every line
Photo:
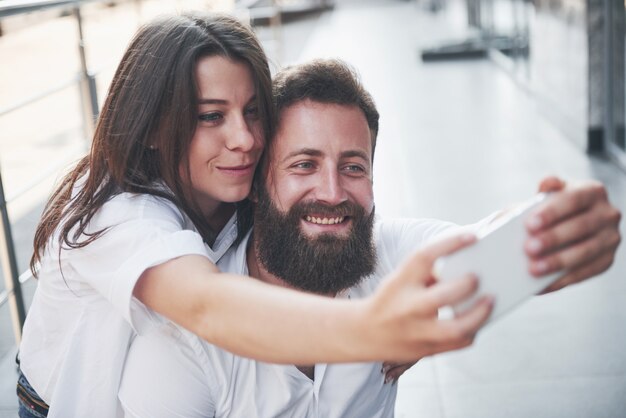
228, 140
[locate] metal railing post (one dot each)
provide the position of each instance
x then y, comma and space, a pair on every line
9, 269
473, 13
89, 93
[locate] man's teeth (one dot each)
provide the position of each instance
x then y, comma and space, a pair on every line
325, 221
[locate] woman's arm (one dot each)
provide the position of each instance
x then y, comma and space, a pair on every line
274, 324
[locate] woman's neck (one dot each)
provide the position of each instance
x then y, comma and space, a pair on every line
219, 217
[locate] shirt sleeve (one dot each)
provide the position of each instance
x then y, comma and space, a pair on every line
398, 238
137, 238
164, 377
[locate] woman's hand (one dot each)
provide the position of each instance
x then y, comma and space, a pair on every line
402, 313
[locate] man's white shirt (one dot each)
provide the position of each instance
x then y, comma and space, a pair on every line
170, 372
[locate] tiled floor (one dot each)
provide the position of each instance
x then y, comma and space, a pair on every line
457, 141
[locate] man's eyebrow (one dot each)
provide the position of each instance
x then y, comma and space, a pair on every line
356, 153
311, 152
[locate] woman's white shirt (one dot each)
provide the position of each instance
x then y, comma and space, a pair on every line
83, 315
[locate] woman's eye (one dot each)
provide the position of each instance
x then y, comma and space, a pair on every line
210, 117
252, 111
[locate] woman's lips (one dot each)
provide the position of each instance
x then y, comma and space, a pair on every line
237, 170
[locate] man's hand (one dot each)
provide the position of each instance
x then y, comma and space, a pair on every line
576, 230
402, 315
393, 370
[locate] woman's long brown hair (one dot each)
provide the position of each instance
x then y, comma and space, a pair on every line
147, 123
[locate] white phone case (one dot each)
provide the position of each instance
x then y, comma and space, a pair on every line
499, 261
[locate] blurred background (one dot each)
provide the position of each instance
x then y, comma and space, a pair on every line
479, 100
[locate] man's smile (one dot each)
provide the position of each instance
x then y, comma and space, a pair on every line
315, 223
323, 220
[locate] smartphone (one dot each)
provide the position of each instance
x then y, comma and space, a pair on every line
499, 261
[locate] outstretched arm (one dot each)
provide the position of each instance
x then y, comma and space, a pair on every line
577, 230
269, 323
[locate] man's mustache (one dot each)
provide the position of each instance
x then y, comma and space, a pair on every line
346, 208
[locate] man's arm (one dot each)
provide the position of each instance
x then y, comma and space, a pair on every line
577, 230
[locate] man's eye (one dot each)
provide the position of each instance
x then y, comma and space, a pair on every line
354, 168
305, 165
210, 117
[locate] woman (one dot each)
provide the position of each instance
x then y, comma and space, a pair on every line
175, 148
130, 236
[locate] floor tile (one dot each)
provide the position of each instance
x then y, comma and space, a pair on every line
8, 398
418, 401
422, 373
589, 397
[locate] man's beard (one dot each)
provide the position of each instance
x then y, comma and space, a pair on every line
325, 264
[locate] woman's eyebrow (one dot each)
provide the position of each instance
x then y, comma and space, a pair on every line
203, 100
212, 101
252, 99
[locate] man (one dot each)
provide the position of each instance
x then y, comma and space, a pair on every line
315, 230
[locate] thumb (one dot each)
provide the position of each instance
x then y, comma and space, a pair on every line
551, 184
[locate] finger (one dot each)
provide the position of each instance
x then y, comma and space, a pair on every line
449, 292
460, 331
473, 318
582, 273
388, 365
551, 184
564, 204
393, 374
421, 263
430, 281
572, 230
575, 255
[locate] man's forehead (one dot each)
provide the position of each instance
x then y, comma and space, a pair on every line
311, 128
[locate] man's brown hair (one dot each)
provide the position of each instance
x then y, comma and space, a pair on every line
325, 81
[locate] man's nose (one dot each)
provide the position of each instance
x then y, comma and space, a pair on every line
330, 188
241, 136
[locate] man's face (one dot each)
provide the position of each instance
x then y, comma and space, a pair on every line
321, 153
313, 223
